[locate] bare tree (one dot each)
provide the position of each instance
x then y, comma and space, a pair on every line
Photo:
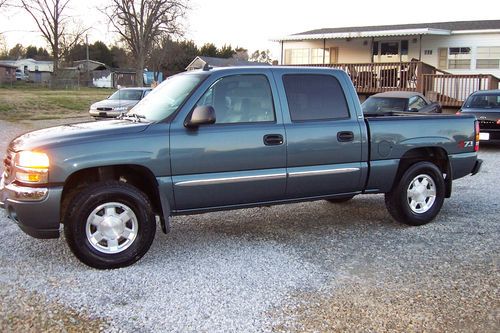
261, 56
49, 16
142, 23
3, 2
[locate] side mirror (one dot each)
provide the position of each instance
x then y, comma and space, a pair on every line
201, 115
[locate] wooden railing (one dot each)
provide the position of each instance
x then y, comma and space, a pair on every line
448, 89
371, 78
452, 89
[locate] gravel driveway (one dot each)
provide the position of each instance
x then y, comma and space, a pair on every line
303, 267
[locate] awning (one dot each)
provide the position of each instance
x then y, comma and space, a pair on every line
365, 34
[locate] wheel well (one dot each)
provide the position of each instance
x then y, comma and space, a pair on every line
435, 155
135, 175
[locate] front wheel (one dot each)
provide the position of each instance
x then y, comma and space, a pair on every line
418, 196
109, 225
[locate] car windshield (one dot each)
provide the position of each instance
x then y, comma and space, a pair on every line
383, 104
484, 101
165, 99
127, 94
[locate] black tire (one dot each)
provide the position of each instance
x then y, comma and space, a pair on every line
119, 198
340, 200
425, 208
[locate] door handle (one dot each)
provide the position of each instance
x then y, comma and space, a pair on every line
345, 136
273, 139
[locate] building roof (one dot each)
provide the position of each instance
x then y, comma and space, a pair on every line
7, 65
436, 28
92, 64
200, 61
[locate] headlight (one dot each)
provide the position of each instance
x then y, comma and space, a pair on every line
32, 167
121, 108
93, 107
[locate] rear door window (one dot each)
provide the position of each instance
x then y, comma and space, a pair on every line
314, 97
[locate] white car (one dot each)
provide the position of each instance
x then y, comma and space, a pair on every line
121, 101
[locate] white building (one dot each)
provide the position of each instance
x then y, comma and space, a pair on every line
467, 47
31, 65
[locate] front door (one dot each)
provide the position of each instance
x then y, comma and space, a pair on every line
241, 159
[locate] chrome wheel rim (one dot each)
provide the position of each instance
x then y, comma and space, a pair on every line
111, 227
421, 193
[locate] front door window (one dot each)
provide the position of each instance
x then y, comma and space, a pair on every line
390, 51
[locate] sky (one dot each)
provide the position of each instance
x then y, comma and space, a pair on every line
252, 24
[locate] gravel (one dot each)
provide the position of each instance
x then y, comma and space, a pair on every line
311, 266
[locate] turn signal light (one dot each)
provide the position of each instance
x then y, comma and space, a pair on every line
498, 121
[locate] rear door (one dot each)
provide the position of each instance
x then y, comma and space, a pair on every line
324, 138
241, 159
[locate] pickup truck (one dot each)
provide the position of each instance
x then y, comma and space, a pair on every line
219, 139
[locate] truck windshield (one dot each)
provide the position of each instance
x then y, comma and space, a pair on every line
383, 104
165, 99
483, 102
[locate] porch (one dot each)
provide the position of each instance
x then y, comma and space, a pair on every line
448, 89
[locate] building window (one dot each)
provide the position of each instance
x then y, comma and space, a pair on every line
297, 56
389, 48
317, 56
375, 49
404, 47
488, 57
459, 58
428, 52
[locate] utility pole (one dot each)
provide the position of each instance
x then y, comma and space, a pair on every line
87, 63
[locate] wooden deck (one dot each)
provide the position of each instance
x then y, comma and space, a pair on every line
448, 89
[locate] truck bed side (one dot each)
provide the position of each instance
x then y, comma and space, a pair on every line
447, 140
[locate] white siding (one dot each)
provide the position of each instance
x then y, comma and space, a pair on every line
352, 51
473, 41
358, 50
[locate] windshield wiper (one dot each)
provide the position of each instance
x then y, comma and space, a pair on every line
132, 116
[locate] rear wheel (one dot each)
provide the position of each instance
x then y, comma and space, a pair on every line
109, 225
418, 196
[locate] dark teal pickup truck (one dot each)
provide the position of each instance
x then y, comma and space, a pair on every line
224, 139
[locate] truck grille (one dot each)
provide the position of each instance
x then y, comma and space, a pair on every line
7, 162
488, 124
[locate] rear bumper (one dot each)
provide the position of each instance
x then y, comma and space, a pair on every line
34, 210
477, 167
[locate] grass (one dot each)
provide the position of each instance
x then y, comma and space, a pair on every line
24, 102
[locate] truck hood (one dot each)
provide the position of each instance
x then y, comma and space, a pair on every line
66, 134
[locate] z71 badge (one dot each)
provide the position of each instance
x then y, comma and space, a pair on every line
466, 144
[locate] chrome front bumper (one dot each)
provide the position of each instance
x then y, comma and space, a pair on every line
21, 193
35, 210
